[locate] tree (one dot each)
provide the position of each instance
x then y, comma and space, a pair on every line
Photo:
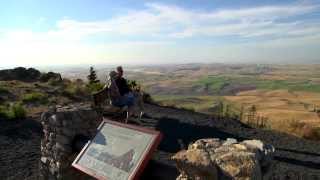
134, 85
241, 112
227, 111
252, 114
206, 88
221, 109
92, 77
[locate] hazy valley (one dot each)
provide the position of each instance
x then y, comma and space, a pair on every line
287, 97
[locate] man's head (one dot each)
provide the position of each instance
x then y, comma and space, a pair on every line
120, 71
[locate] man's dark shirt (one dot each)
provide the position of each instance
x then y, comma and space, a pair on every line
122, 86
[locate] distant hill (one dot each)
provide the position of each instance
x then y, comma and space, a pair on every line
27, 75
35, 90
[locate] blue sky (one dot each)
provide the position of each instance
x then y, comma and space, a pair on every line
43, 32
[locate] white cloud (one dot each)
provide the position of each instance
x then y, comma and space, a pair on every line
172, 21
275, 26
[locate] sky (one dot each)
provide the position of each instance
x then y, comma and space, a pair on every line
65, 32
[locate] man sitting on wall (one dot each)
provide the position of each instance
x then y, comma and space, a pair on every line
130, 96
122, 83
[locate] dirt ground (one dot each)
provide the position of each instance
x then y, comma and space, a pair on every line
294, 159
19, 149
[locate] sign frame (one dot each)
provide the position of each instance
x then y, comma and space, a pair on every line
141, 164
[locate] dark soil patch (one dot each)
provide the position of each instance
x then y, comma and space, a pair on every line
19, 149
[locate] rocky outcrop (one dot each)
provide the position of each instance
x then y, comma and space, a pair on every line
20, 73
62, 128
208, 159
45, 77
28, 75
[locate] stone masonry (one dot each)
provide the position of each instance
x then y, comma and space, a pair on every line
61, 126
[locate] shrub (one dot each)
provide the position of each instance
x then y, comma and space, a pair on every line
95, 87
18, 111
53, 82
74, 89
3, 90
4, 111
35, 97
147, 98
15, 111
134, 85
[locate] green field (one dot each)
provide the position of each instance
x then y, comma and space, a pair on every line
217, 83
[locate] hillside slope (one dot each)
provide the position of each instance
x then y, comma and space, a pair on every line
20, 139
294, 157
20, 144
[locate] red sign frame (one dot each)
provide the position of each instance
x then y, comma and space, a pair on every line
142, 162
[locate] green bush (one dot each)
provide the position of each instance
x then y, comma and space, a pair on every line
73, 89
95, 87
35, 97
147, 98
3, 90
54, 82
18, 111
4, 111
15, 111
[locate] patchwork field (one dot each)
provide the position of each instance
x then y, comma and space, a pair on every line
281, 106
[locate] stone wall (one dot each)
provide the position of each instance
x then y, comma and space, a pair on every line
61, 127
217, 159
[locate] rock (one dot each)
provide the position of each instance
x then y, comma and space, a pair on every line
239, 165
64, 148
230, 141
44, 160
68, 132
257, 144
51, 137
61, 125
63, 139
264, 151
182, 177
217, 159
55, 121
195, 164
45, 116
206, 143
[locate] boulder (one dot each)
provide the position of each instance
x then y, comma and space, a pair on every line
195, 164
239, 165
218, 159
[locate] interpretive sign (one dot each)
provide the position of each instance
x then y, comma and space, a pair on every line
118, 151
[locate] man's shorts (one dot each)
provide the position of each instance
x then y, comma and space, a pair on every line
125, 100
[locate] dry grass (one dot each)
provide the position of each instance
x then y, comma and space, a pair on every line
286, 111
